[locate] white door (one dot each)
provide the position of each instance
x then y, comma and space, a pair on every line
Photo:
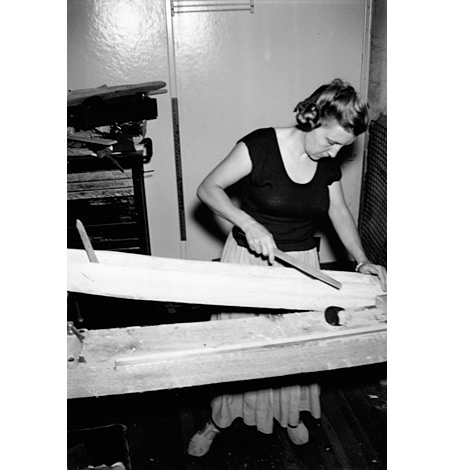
237, 71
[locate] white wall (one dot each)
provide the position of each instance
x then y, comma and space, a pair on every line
235, 72
238, 71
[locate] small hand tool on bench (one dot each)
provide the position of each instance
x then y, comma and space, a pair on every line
75, 340
297, 264
76, 337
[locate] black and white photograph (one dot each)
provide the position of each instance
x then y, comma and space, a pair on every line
249, 187
226, 223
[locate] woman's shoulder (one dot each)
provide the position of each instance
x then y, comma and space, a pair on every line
262, 133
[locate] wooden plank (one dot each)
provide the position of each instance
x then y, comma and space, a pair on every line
98, 175
338, 422
75, 97
97, 185
201, 282
130, 360
357, 430
100, 193
86, 242
336, 444
361, 405
91, 138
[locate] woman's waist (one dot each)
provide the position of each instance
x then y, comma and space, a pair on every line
287, 237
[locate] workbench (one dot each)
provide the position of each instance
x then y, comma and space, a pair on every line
139, 359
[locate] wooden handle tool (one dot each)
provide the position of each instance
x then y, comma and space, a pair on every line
297, 264
306, 268
86, 242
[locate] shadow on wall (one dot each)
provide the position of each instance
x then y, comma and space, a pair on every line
323, 225
207, 219
346, 154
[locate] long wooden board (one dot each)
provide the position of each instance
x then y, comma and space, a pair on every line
98, 176
212, 283
138, 359
99, 193
76, 97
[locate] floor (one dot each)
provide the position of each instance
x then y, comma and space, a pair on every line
351, 434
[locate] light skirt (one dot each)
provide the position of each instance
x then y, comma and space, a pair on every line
260, 407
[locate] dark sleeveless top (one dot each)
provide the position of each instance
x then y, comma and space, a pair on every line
287, 209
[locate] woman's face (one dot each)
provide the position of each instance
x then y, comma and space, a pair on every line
326, 141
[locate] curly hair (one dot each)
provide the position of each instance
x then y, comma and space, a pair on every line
337, 101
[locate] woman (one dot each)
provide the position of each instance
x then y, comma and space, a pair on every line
289, 177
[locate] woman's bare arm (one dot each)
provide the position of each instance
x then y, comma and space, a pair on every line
345, 226
212, 192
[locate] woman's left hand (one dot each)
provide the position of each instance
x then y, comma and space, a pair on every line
376, 270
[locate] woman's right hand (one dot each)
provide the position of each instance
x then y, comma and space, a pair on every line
260, 240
